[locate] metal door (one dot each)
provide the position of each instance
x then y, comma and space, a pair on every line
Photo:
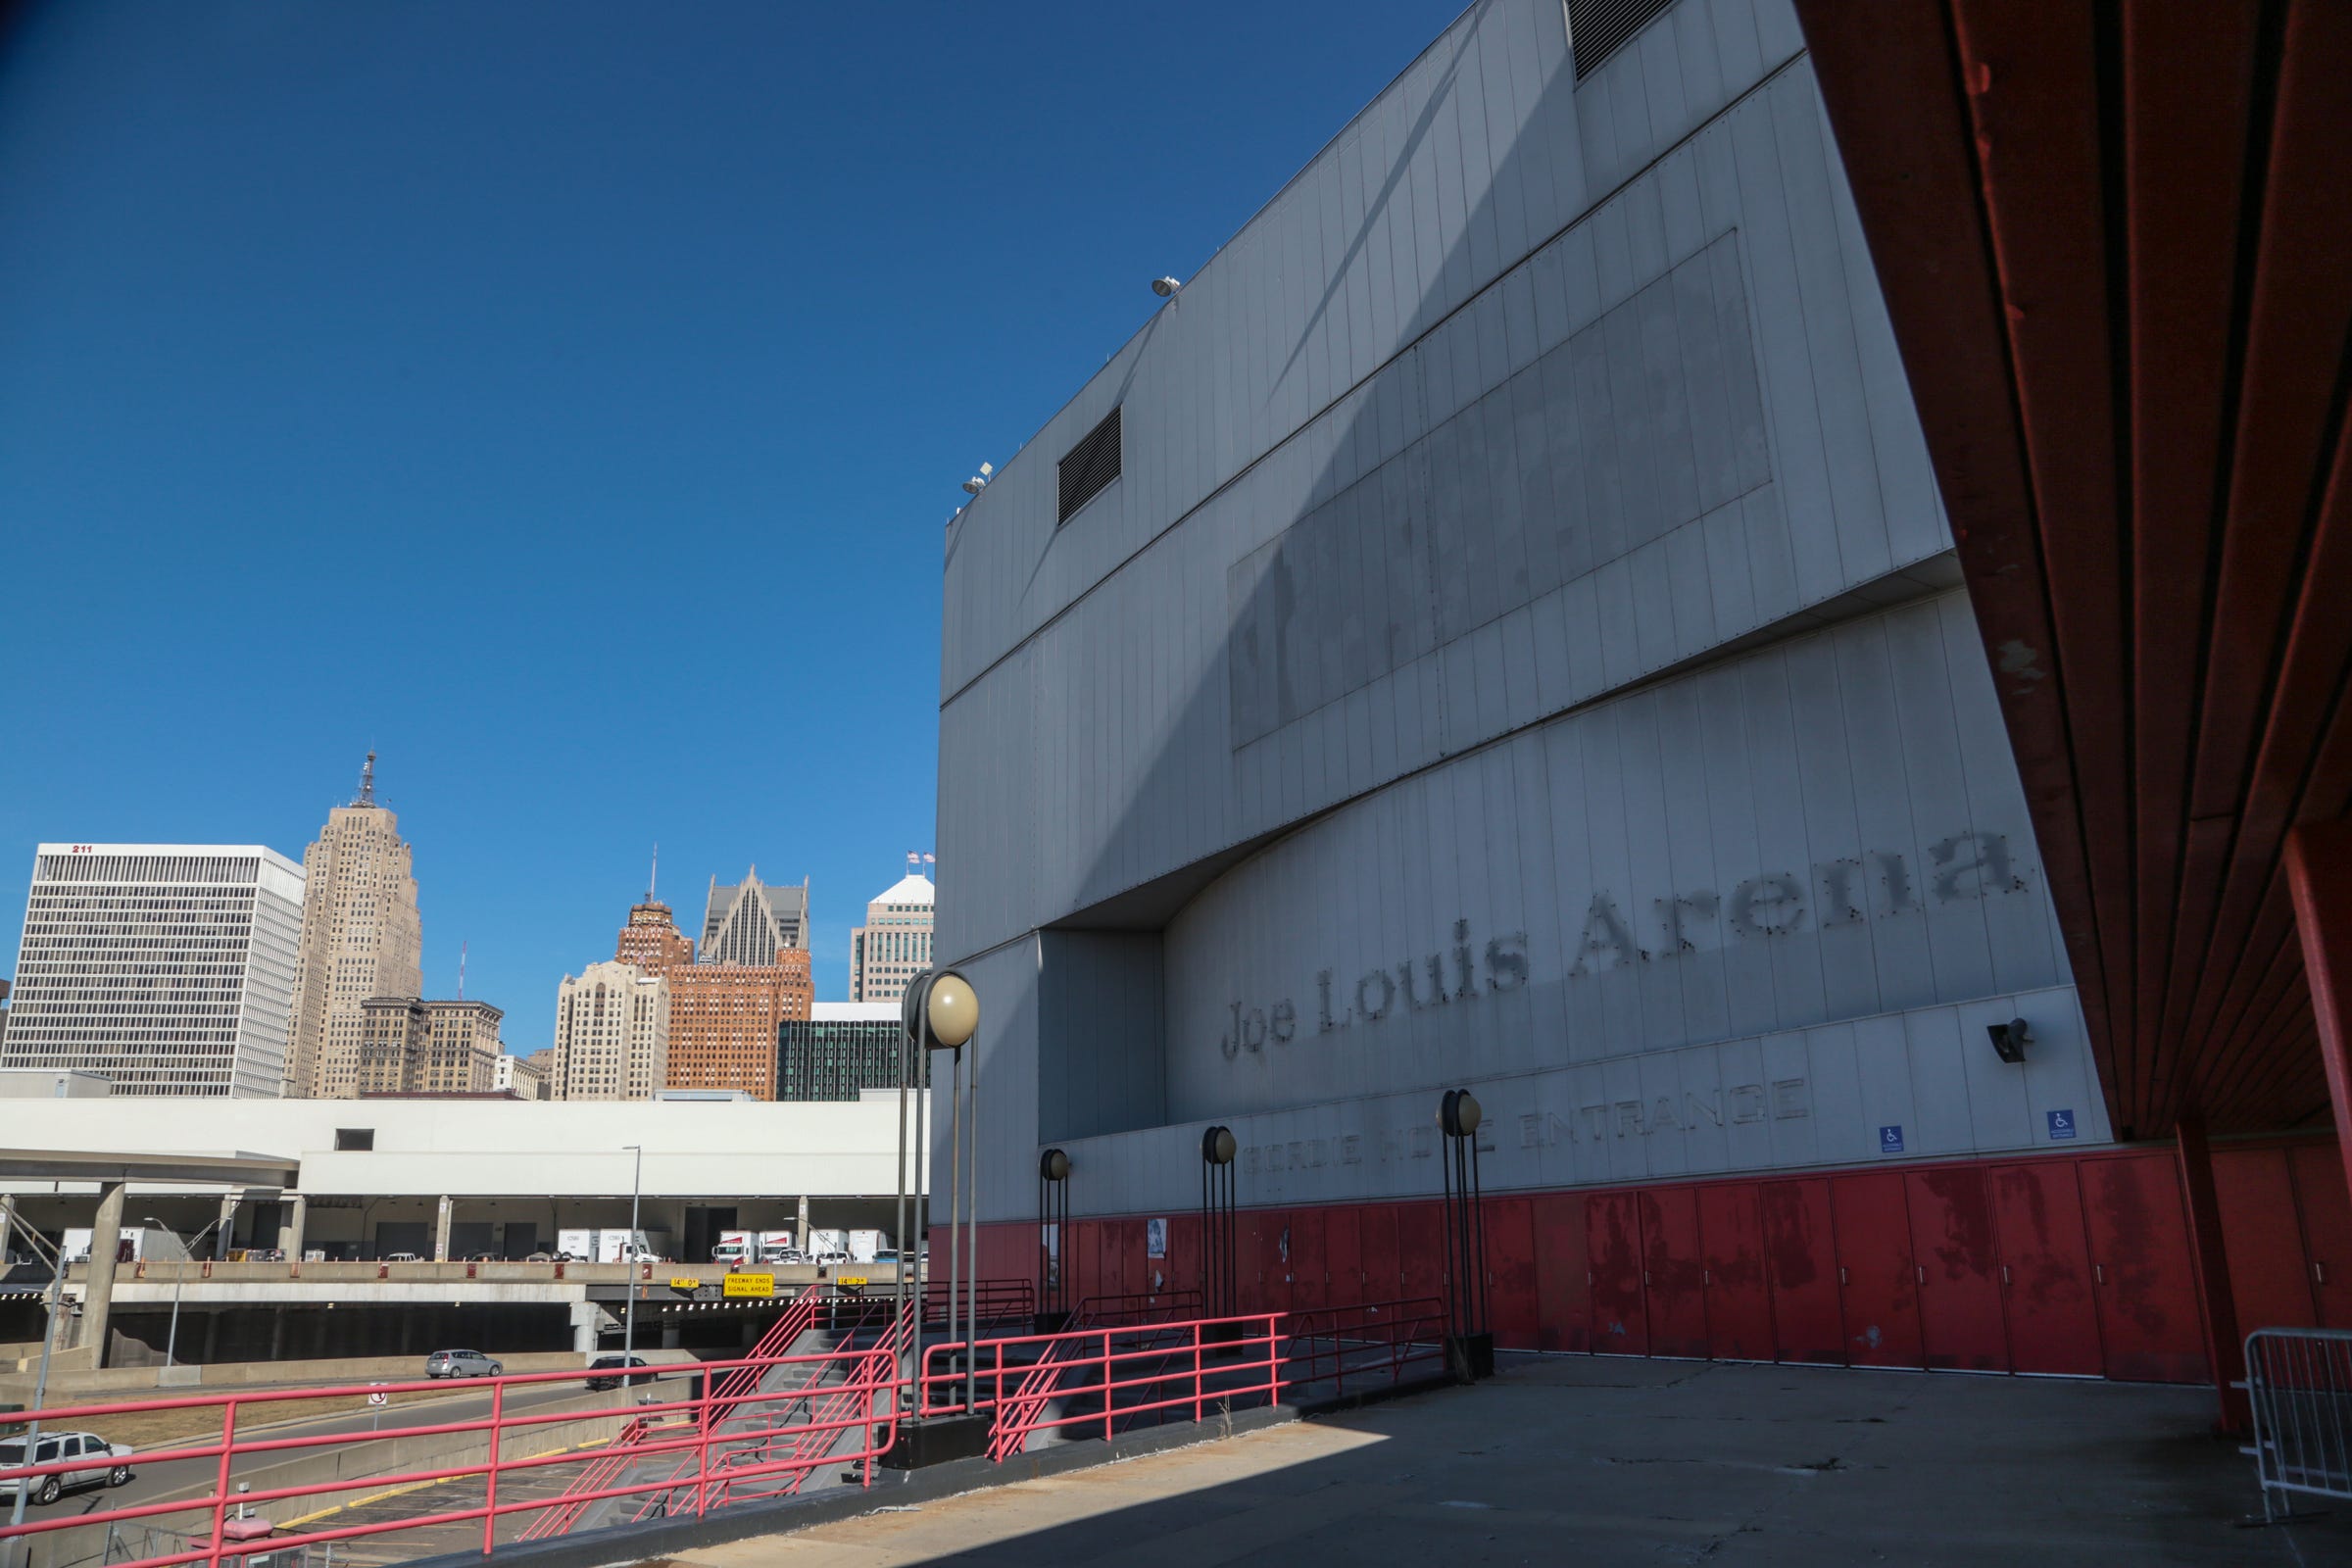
1613, 1254
1800, 1263
1731, 1249
1268, 1289
1958, 1271
1376, 1242
2143, 1274
1344, 1258
1563, 1283
1308, 1287
2326, 1206
1421, 1248
2045, 1268
1671, 1275
1878, 1286
1512, 1271
2269, 1277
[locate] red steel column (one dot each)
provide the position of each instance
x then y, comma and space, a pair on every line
2319, 874
2224, 1347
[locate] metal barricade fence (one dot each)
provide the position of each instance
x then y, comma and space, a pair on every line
2300, 1385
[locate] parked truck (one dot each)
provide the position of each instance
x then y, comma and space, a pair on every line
736, 1248
828, 1247
577, 1245
863, 1244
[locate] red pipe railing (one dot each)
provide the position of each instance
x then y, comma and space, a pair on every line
852, 1396
1369, 1338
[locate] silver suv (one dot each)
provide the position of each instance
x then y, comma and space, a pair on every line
461, 1364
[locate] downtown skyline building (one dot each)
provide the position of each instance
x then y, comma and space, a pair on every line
362, 938
613, 1023
894, 946
165, 968
750, 922
411, 1046
840, 1050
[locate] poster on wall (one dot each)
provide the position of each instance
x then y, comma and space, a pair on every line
1155, 1238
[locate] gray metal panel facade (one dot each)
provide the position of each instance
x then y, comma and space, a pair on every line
1520, 395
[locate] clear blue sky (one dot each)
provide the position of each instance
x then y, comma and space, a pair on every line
565, 400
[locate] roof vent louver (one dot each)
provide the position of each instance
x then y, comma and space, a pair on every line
1598, 29
1090, 466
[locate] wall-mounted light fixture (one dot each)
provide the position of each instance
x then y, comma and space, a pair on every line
2009, 1040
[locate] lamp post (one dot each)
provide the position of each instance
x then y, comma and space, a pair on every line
40, 1389
628, 1332
187, 1255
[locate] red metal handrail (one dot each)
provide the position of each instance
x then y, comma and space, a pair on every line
1366, 1337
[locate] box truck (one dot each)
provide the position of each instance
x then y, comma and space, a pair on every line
863, 1244
736, 1248
579, 1244
825, 1247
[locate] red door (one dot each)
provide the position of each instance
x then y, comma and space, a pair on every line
1731, 1240
1563, 1284
1421, 1250
1376, 1244
2142, 1271
2326, 1203
2045, 1264
1343, 1257
1800, 1263
1613, 1252
1183, 1264
1671, 1274
1308, 1288
2269, 1277
1878, 1286
1511, 1272
1958, 1271
1267, 1287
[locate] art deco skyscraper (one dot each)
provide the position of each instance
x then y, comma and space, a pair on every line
361, 938
750, 922
894, 946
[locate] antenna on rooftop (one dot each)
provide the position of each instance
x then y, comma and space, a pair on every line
653, 878
368, 781
462, 947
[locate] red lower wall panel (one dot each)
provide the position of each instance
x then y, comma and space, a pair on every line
2072, 1263
1731, 1239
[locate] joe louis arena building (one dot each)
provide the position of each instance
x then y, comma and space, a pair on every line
1499, 625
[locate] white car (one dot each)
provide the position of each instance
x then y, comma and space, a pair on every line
64, 1447
402, 1257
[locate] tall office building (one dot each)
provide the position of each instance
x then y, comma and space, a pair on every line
408, 1046
751, 922
652, 938
611, 1034
361, 938
524, 1077
894, 946
840, 1048
724, 1018
168, 968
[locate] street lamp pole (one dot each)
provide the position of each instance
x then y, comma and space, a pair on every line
180, 1282
40, 1390
628, 1333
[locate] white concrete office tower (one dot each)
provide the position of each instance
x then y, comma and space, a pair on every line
750, 922
611, 1034
1497, 627
894, 946
361, 938
168, 968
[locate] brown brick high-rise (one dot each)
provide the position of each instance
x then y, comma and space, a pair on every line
723, 1020
652, 939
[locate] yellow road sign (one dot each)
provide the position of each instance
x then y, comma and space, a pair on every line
683, 1282
752, 1285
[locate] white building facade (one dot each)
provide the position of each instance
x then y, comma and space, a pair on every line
166, 968
894, 946
611, 1034
1497, 627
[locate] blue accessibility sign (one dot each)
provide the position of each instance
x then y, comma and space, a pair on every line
1891, 1140
2062, 1124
